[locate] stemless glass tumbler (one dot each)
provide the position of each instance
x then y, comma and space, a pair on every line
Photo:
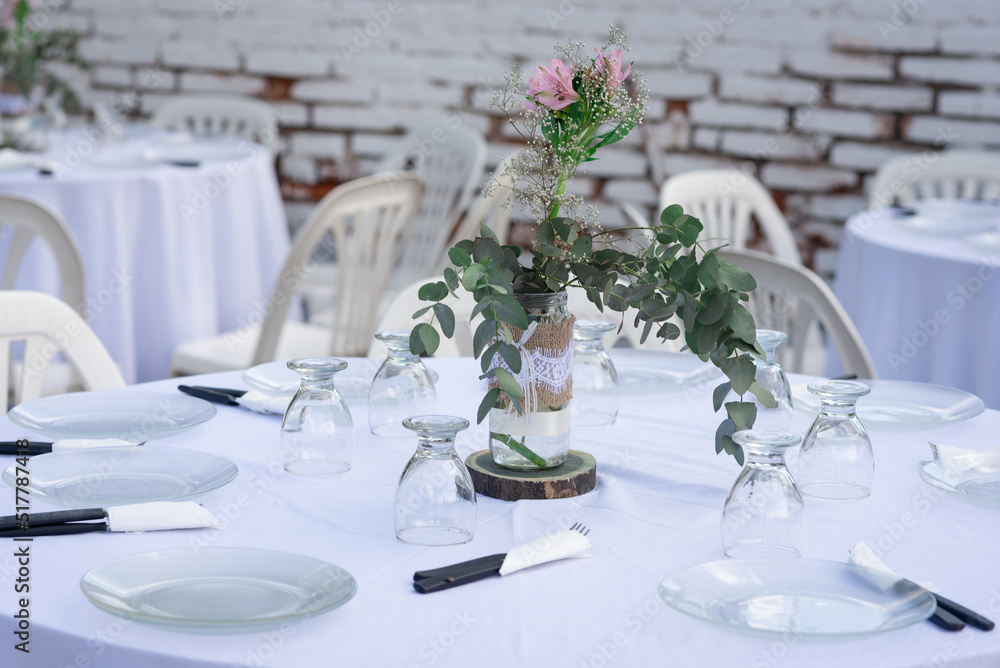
595, 381
317, 434
836, 461
402, 387
764, 516
435, 499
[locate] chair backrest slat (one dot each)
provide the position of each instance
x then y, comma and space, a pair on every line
48, 326
952, 175
368, 219
790, 298
30, 219
726, 200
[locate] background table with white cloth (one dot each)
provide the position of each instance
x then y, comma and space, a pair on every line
171, 253
656, 509
927, 306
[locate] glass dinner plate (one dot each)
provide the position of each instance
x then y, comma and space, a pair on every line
984, 241
218, 589
277, 379
903, 403
957, 209
101, 477
210, 149
653, 369
947, 227
800, 596
133, 416
975, 475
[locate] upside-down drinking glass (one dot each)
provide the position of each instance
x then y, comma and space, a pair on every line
837, 461
595, 381
317, 434
772, 377
435, 499
402, 387
764, 516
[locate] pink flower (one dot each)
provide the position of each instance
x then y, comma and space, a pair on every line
552, 87
611, 68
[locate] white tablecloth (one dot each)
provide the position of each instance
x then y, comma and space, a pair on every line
170, 253
656, 509
927, 307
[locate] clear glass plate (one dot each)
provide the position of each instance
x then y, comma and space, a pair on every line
975, 475
800, 596
985, 241
640, 369
946, 227
207, 149
103, 477
133, 416
218, 588
957, 209
277, 379
902, 403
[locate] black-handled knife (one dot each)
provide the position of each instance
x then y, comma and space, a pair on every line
963, 614
55, 530
36, 447
446, 577
945, 620
218, 395
55, 517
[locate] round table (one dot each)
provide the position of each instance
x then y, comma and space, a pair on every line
656, 509
926, 305
170, 252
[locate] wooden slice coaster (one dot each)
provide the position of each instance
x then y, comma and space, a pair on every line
576, 476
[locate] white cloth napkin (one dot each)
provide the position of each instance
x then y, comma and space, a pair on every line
160, 516
863, 555
64, 444
261, 402
548, 548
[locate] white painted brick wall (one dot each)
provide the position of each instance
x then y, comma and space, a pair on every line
860, 81
841, 123
883, 98
711, 112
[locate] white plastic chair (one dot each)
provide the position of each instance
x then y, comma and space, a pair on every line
213, 115
789, 298
967, 175
31, 218
725, 200
48, 326
451, 163
399, 315
367, 219
494, 210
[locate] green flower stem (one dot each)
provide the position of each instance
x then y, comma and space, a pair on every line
520, 448
560, 189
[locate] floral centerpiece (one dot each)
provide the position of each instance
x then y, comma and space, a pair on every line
573, 107
25, 49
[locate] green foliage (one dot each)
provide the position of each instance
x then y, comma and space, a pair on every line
26, 50
673, 276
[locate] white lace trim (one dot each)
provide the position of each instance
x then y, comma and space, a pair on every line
552, 368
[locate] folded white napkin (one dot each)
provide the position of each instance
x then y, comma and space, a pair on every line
64, 444
160, 516
261, 402
863, 555
548, 548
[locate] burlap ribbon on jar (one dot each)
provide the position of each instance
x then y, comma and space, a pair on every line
547, 377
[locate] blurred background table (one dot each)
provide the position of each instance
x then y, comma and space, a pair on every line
170, 252
926, 305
